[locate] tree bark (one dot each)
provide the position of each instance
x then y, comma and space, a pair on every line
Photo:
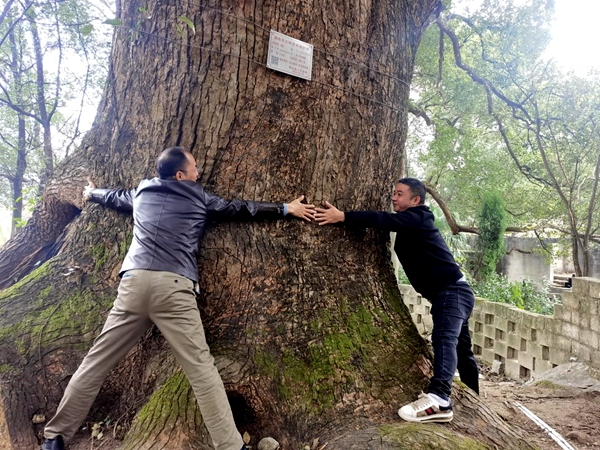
306, 323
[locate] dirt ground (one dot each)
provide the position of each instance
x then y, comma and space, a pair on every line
573, 414
570, 412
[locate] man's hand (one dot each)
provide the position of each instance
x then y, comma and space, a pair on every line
301, 210
87, 189
329, 215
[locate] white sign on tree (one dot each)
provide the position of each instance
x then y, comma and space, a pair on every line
289, 55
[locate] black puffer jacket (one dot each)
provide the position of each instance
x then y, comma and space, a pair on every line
170, 218
425, 257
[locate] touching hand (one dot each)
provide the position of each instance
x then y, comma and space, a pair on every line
301, 210
328, 215
87, 190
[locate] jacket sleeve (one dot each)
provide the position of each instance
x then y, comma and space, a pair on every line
382, 220
119, 199
219, 209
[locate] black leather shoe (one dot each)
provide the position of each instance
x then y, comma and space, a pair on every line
54, 444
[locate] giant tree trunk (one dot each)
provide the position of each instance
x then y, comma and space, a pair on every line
306, 323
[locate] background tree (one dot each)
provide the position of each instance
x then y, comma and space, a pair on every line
511, 121
490, 241
48, 59
307, 325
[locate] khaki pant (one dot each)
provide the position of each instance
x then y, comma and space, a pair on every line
167, 300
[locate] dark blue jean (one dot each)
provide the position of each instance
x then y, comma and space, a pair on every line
451, 340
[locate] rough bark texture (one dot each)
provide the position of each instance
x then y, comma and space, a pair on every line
307, 325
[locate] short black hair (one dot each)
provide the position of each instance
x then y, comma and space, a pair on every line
171, 161
416, 188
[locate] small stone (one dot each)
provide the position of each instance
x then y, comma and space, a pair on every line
268, 443
38, 418
580, 438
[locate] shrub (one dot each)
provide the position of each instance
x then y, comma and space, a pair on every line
522, 294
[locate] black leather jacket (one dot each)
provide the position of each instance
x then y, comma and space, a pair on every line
170, 218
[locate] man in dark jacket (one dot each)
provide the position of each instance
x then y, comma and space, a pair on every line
433, 273
158, 282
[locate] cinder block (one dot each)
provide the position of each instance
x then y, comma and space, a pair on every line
477, 315
501, 323
487, 354
594, 341
584, 354
554, 327
542, 366
513, 340
526, 360
489, 331
502, 310
534, 350
575, 348
575, 317
515, 315
585, 305
559, 357
595, 323
595, 359
527, 321
500, 348
486, 306
512, 368
562, 343
539, 322
594, 288
595, 307
562, 313
571, 300
428, 322
581, 286
477, 338
570, 331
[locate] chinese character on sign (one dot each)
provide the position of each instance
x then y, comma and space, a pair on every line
289, 55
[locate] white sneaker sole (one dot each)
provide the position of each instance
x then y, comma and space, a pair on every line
439, 418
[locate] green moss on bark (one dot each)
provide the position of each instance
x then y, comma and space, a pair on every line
77, 315
14, 290
354, 349
171, 409
428, 437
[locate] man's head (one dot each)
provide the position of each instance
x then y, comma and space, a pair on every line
409, 192
178, 164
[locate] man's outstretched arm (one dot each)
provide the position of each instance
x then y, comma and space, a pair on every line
119, 199
409, 219
220, 208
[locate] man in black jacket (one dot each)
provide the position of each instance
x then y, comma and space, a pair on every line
158, 283
432, 271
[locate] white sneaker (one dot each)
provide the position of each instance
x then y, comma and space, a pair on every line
426, 409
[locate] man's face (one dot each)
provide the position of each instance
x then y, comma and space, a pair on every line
189, 171
403, 198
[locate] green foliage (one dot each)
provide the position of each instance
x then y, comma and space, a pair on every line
490, 242
56, 40
522, 294
542, 160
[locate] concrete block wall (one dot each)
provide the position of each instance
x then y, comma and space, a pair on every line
527, 343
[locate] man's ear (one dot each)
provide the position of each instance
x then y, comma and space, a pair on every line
416, 200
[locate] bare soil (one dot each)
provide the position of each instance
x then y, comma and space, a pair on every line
572, 413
